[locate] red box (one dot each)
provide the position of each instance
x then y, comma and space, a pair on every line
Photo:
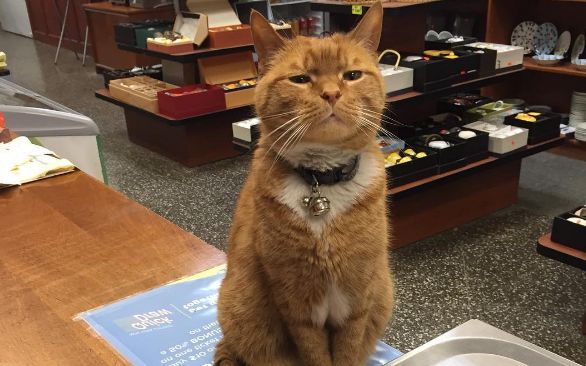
190, 105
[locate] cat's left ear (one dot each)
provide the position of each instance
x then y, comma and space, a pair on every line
266, 40
368, 31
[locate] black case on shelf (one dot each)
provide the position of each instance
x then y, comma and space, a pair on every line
546, 124
450, 158
443, 45
428, 73
476, 147
124, 32
569, 233
154, 72
532, 140
487, 64
465, 67
447, 105
416, 169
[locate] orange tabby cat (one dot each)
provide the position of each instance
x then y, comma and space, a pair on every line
301, 289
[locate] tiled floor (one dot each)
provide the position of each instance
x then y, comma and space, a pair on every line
487, 269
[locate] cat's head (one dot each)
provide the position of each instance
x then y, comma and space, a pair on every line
326, 91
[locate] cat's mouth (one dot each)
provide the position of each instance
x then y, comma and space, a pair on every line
332, 118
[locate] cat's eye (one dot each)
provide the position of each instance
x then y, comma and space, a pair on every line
300, 79
352, 75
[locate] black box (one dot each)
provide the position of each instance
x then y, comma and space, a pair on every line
476, 147
487, 65
569, 233
449, 154
546, 123
532, 140
441, 44
457, 164
418, 168
465, 67
427, 71
461, 102
124, 32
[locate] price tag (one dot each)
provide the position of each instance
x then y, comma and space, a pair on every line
357, 9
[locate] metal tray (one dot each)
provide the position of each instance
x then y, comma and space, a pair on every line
475, 343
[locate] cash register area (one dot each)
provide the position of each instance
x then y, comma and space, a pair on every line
487, 269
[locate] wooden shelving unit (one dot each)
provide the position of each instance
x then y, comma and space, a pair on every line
565, 68
187, 57
390, 8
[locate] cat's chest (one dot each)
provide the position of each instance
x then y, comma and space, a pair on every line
342, 196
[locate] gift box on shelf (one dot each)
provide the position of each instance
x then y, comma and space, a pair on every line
461, 102
150, 28
476, 146
397, 79
388, 145
502, 138
229, 70
569, 233
155, 72
410, 171
192, 26
507, 57
247, 131
487, 65
461, 66
449, 158
442, 44
541, 126
428, 74
486, 110
191, 100
139, 91
224, 26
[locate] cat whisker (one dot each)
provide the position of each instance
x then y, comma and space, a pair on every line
384, 117
298, 129
279, 114
283, 125
295, 125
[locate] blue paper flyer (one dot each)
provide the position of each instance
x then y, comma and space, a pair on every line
176, 324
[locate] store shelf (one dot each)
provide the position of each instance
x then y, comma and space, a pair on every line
564, 68
561, 253
187, 57
413, 98
390, 8
104, 94
290, 3
490, 162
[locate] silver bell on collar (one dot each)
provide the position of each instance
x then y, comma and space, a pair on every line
317, 205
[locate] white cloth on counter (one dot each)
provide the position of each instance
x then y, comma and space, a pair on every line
22, 161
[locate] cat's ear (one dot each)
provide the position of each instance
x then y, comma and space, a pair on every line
266, 40
368, 31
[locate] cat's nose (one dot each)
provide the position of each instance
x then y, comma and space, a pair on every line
331, 96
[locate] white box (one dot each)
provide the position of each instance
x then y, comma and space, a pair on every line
507, 55
243, 130
400, 80
504, 139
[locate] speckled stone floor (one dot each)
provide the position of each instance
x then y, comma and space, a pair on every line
487, 269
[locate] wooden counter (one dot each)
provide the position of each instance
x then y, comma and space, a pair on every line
101, 18
69, 244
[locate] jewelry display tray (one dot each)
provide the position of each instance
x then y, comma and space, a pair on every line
475, 343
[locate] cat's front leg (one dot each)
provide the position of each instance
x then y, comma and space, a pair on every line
312, 343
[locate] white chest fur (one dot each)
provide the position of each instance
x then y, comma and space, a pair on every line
334, 308
342, 196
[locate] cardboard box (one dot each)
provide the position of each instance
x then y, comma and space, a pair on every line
396, 81
247, 130
231, 36
569, 233
450, 158
500, 142
225, 28
225, 69
427, 75
191, 25
139, 91
173, 104
476, 147
486, 110
508, 57
462, 68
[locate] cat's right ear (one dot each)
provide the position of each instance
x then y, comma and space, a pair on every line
266, 40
